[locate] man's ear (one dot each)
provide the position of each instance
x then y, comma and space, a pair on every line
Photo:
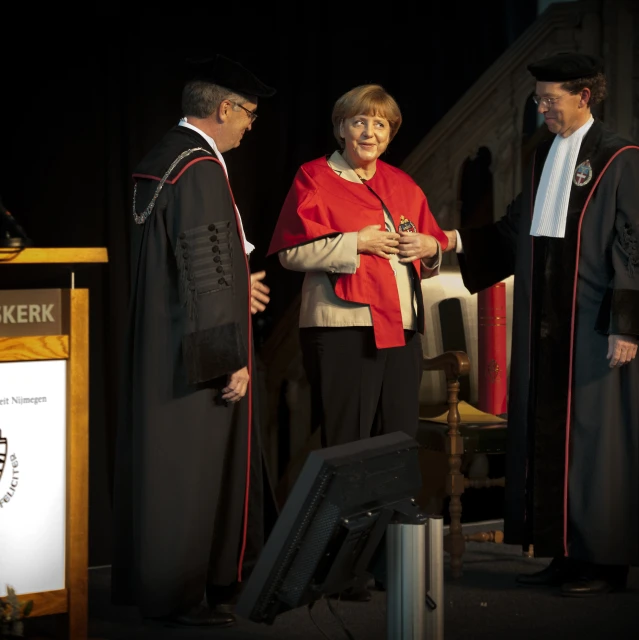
223, 110
585, 97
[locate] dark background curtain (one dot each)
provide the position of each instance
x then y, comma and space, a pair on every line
81, 106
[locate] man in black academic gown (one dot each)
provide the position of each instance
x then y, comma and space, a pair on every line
570, 238
188, 476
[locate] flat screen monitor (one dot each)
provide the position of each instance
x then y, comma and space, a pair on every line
334, 519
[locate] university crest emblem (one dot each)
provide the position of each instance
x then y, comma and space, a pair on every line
3, 453
583, 174
406, 225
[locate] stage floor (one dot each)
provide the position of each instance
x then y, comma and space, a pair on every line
485, 603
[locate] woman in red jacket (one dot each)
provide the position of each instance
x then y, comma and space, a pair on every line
362, 231
364, 234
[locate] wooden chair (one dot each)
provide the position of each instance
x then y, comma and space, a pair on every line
455, 453
460, 442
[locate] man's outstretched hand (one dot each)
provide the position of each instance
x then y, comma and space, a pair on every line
259, 292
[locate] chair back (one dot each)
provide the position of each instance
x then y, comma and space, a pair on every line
451, 324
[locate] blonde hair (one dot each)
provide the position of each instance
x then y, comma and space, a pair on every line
370, 100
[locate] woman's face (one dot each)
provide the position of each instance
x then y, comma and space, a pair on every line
365, 138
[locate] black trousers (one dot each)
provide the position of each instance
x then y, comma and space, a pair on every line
358, 390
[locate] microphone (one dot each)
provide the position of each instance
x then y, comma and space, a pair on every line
12, 235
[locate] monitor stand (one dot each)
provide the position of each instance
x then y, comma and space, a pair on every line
415, 550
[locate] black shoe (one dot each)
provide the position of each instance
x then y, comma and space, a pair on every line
202, 616
354, 594
583, 588
225, 607
223, 599
596, 580
559, 571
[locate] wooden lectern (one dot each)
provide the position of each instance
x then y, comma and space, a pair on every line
73, 347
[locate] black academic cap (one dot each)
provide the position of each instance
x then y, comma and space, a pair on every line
227, 73
565, 66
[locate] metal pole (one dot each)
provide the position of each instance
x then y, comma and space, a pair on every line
406, 589
435, 555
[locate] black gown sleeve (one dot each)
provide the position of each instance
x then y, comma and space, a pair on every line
211, 269
619, 312
489, 251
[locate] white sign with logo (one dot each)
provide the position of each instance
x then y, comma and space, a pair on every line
32, 475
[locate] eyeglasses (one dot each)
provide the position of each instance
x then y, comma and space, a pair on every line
547, 101
251, 114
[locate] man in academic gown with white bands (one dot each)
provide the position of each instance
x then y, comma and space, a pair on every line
570, 239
